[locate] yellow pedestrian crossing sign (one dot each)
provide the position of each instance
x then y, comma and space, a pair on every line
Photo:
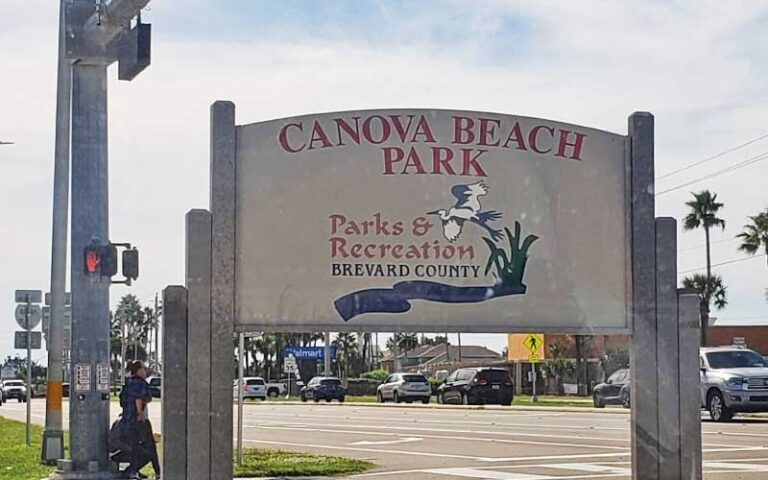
533, 343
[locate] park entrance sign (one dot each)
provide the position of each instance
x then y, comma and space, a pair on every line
430, 220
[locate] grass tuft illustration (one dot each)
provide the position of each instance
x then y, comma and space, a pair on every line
510, 266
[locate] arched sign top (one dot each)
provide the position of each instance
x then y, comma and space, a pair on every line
491, 121
430, 220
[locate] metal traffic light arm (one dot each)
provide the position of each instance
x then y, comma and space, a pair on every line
110, 21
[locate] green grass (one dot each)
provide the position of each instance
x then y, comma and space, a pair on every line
275, 463
17, 461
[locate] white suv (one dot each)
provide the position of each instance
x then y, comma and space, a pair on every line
14, 389
253, 387
733, 379
406, 387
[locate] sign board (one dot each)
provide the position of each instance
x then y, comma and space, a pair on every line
67, 298
20, 340
307, 353
102, 377
518, 349
533, 358
28, 316
83, 377
430, 220
533, 342
289, 368
28, 296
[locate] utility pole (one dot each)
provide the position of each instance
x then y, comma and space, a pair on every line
327, 355
98, 33
53, 435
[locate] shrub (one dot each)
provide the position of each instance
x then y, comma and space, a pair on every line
378, 375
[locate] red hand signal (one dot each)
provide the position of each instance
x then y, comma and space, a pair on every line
91, 261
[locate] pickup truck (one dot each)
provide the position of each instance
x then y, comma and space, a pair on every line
276, 389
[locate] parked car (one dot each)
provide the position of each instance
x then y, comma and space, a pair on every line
477, 386
323, 388
15, 389
155, 386
275, 389
253, 387
406, 387
733, 379
614, 391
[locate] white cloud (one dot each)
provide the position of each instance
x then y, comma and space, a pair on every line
589, 63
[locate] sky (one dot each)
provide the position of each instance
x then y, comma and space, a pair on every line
699, 66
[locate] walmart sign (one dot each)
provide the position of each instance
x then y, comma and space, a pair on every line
308, 353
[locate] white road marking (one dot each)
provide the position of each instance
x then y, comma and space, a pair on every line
388, 442
448, 421
486, 474
451, 430
751, 467
371, 450
307, 428
589, 467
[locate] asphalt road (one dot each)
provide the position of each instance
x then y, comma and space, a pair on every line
418, 442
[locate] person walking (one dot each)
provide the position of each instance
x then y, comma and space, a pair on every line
134, 421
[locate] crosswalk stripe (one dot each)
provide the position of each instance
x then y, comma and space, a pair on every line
753, 467
590, 467
487, 474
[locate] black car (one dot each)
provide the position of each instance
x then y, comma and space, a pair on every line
477, 386
323, 388
615, 390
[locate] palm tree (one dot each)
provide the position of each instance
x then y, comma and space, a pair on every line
755, 235
407, 342
708, 288
346, 348
703, 214
130, 313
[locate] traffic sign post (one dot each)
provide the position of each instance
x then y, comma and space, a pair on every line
28, 315
533, 342
289, 368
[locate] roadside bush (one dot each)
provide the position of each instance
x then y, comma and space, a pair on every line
378, 375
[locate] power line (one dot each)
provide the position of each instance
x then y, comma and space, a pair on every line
725, 170
718, 155
703, 245
723, 263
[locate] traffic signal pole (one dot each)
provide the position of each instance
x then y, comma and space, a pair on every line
89, 400
92, 29
53, 435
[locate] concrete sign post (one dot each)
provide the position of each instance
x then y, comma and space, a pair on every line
440, 221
